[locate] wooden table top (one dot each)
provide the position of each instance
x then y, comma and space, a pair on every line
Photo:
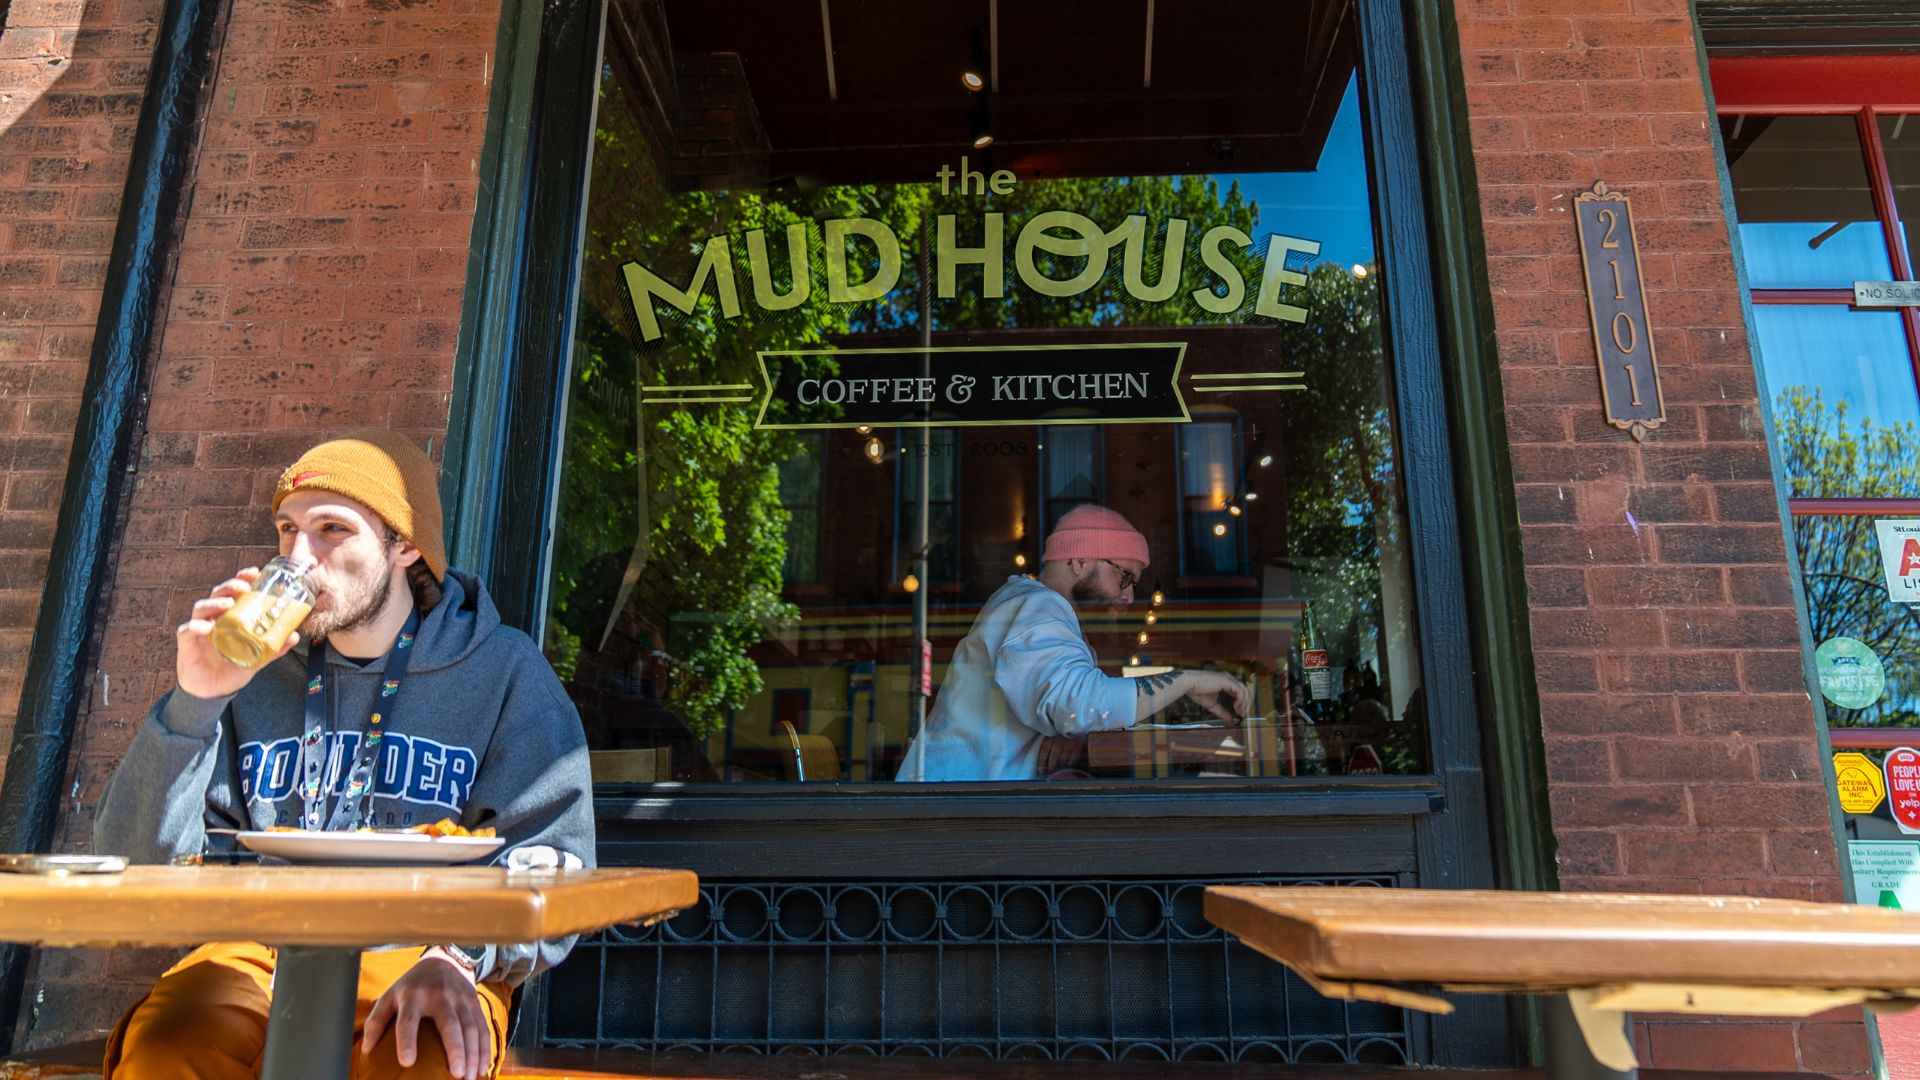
1534, 941
332, 906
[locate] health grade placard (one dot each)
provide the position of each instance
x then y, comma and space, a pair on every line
1886, 873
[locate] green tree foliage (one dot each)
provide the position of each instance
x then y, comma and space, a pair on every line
1827, 455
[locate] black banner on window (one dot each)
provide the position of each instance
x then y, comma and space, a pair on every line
972, 386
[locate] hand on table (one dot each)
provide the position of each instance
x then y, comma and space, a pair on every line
1206, 688
437, 989
198, 668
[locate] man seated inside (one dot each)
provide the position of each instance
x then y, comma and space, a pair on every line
1025, 674
404, 661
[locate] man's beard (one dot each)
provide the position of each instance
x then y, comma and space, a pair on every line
349, 616
1088, 590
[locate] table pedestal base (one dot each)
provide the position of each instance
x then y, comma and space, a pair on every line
1569, 1054
310, 1023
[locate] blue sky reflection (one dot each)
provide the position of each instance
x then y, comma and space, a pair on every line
1333, 203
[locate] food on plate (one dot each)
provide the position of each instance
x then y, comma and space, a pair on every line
450, 827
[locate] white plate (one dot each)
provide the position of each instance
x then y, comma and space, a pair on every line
370, 847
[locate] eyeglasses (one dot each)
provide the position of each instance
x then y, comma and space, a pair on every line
1128, 579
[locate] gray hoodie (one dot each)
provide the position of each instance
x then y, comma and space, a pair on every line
482, 733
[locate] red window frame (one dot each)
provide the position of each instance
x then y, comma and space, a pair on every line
1866, 88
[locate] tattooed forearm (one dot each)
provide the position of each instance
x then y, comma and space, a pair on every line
1146, 685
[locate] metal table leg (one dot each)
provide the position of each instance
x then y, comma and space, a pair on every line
1569, 1055
310, 1023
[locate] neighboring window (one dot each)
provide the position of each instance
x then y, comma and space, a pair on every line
811, 273
1072, 472
1211, 507
1821, 188
800, 497
940, 449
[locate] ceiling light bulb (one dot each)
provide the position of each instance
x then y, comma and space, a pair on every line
972, 81
1134, 660
864, 430
1359, 271
1266, 460
1220, 529
1234, 510
1143, 637
1020, 560
875, 451
1252, 495
1152, 618
982, 141
1159, 597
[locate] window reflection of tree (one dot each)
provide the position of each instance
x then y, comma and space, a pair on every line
1828, 456
801, 497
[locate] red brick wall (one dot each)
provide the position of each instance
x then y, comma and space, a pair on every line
72, 74
1679, 735
318, 290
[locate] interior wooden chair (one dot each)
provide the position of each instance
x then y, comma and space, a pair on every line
814, 756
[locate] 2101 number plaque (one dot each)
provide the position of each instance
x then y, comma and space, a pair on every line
1622, 340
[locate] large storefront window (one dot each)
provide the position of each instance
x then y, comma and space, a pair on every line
943, 394
1819, 209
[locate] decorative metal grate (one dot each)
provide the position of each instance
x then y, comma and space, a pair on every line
1010, 969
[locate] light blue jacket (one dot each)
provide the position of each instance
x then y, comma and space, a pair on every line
1023, 672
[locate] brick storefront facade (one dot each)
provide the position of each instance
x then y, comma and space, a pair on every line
72, 74
318, 288
1681, 751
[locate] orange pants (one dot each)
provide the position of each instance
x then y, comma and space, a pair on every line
206, 1019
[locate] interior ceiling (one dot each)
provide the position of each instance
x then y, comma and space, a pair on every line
1085, 87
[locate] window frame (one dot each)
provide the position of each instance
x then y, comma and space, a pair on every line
1043, 461
815, 452
512, 371
903, 559
1865, 88
1240, 571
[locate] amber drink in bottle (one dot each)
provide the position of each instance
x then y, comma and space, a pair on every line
256, 627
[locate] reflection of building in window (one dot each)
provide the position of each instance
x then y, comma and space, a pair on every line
790, 707
800, 495
1212, 538
1072, 471
942, 450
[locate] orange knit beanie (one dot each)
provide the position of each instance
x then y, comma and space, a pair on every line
388, 475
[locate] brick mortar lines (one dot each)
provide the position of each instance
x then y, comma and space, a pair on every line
72, 73
317, 290
1678, 730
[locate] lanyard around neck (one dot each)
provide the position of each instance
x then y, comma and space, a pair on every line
351, 810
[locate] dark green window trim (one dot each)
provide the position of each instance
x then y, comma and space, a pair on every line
1516, 753
501, 468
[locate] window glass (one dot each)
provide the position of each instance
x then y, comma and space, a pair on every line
1900, 140
1840, 565
1125, 323
936, 451
800, 497
1070, 462
1210, 508
1844, 397
1807, 218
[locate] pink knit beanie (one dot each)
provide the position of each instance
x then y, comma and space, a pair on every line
1094, 532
